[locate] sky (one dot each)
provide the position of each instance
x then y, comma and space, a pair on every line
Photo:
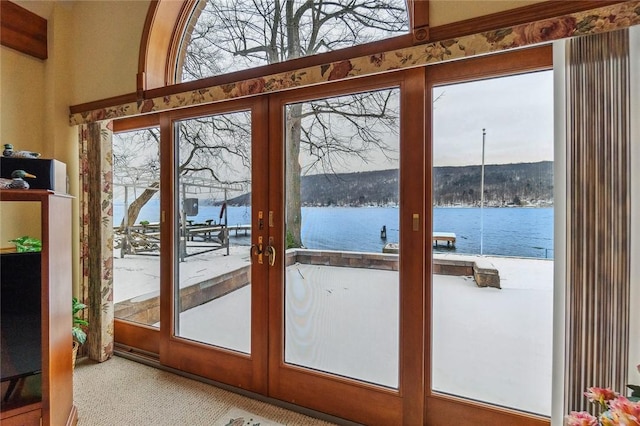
516, 111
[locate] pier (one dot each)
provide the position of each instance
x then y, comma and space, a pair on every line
448, 237
145, 238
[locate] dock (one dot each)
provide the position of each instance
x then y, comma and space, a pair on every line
448, 237
145, 239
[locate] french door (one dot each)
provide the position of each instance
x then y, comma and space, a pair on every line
292, 247
345, 319
213, 296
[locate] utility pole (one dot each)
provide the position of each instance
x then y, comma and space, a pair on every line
482, 193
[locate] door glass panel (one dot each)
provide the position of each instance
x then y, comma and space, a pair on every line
213, 202
342, 221
493, 211
136, 221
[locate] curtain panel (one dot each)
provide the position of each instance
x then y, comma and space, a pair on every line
598, 243
96, 235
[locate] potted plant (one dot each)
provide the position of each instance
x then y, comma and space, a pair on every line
79, 335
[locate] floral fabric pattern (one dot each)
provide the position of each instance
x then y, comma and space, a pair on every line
96, 237
594, 21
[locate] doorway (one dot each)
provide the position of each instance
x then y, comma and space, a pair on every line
280, 227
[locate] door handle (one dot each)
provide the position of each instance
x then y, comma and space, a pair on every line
271, 252
257, 250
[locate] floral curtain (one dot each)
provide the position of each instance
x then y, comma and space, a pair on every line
96, 235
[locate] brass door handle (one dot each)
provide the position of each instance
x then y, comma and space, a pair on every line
271, 253
257, 250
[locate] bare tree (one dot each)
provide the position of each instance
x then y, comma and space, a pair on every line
231, 35
216, 147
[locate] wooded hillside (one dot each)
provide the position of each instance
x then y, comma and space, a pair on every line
504, 184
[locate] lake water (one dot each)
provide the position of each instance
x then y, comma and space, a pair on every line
519, 232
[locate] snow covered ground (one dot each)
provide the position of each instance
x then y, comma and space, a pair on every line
491, 345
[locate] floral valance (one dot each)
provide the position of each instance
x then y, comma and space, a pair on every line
603, 19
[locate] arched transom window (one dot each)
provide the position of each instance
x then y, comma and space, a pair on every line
224, 36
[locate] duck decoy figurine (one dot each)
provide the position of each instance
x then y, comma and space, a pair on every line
17, 180
9, 152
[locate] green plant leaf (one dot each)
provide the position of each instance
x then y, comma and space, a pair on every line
27, 244
78, 333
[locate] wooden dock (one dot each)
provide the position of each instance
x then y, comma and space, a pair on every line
448, 237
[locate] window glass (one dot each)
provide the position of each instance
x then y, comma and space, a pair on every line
342, 284
234, 35
136, 222
492, 291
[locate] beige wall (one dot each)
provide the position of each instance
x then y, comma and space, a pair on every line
107, 46
22, 81
92, 54
29, 223
447, 11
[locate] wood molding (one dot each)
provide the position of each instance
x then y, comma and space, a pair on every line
136, 123
22, 30
419, 20
104, 103
441, 409
137, 336
291, 65
161, 36
522, 15
517, 62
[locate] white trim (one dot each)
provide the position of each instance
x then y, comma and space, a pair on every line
560, 233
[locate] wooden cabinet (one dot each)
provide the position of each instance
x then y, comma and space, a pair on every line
54, 406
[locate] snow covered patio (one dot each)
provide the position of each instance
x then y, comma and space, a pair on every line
488, 344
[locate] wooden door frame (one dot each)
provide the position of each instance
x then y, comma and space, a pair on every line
349, 398
245, 371
440, 408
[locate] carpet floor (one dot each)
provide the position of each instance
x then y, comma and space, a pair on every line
128, 393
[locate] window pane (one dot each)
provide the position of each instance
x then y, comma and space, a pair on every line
341, 288
234, 35
213, 282
493, 241
136, 219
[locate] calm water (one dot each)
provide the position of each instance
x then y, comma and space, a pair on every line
520, 232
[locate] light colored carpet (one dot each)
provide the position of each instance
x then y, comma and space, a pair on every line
126, 393
236, 417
